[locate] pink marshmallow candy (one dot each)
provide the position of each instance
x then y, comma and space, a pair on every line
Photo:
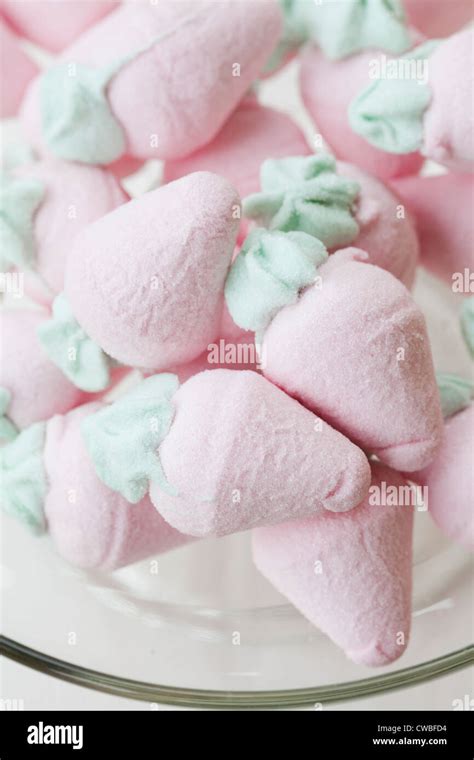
348, 574
17, 71
92, 526
146, 281
355, 350
442, 209
53, 24
37, 388
182, 68
388, 236
449, 120
240, 453
73, 197
438, 18
450, 480
327, 88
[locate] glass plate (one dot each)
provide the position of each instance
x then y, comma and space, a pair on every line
200, 627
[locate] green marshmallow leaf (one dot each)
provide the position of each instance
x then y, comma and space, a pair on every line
389, 112
295, 33
123, 438
455, 393
19, 200
342, 27
23, 483
269, 273
69, 348
78, 124
8, 431
349, 26
305, 193
467, 323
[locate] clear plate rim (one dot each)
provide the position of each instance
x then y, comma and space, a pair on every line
215, 699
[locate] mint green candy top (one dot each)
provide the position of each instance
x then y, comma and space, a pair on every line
455, 393
295, 33
305, 193
349, 26
123, 438
8, 430
341, 27
23, 483
78, 124
20, 198
77, 356
467, 323
389, 112
269, 273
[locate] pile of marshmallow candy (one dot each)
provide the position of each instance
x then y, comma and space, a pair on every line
262, 291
